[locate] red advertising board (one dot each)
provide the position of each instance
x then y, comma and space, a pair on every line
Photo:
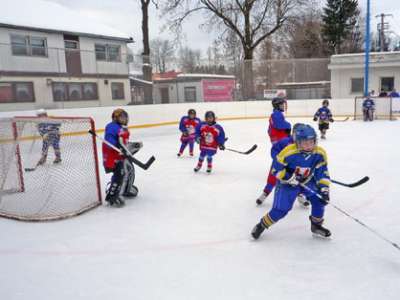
218, 90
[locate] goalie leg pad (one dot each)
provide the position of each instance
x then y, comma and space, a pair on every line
129, 190
112, 196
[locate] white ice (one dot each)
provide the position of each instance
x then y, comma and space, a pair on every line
187, 236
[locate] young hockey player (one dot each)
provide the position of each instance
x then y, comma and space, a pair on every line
301, 163
117, 134
278, 128
271, 179
368, 109
323, 116
50, 133
210, 136
187, 126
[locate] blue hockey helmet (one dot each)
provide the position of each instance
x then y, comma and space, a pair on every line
305, 133
296, 126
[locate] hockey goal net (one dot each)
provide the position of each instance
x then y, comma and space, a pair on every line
61, 182
383, 108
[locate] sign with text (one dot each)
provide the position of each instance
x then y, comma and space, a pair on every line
215, 90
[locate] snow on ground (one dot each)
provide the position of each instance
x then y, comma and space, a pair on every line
187, 236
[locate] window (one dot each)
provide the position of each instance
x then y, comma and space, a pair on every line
14, 92
108, 52
190, 94
117, 91
74, 91
28, 45
357, 85
71, 45
387, 84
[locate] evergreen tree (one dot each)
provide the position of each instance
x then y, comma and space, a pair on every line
339, 19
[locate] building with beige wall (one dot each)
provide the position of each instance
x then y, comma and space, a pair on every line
51, 64
347, 73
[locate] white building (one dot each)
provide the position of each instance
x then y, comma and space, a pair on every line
52, 57
194, 88
347, 73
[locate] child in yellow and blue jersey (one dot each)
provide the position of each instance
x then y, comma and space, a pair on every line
301, 163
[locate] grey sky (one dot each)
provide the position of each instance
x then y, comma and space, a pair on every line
125, 15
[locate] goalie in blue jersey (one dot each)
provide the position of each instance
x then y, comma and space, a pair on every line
298, 164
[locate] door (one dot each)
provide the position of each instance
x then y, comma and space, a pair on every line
72, 55
164, 95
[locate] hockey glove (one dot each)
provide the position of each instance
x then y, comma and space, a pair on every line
185, 133
324, 192
222, 147
198, 140
291, 181
315, 119
332, 120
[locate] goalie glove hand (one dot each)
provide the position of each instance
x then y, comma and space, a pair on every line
222, 147
324, 192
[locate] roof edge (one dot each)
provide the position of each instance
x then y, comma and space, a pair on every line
11, 26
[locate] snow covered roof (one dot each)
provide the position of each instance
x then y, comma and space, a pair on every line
187, 75
53, 17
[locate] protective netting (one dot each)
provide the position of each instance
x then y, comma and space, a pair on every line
383, 108
49, 168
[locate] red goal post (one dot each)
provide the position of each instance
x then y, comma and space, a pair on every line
50, 191
383, 108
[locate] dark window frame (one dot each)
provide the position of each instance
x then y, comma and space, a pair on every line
67, 91
123, 90
28, 45
106, 52
381, 85
352, 91
14, 91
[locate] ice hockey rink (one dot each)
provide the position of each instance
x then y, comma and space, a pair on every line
187, 236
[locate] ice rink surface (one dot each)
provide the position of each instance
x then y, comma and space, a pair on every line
187, 236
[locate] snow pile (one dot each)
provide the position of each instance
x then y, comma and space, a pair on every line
53, 16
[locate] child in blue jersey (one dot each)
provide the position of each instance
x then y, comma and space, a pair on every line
368, 109
187, 126
49, 130
301, 163
323, 116
210, 136
278, 127
271, 180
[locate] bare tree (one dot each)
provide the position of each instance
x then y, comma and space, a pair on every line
162, 54
147, 68
189, 59
251, 20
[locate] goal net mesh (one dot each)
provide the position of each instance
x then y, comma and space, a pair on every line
383, 108
33, 186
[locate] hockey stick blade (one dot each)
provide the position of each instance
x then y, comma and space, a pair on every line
30, 169
254, 147
352, 185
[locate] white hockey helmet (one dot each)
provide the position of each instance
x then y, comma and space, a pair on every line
41, 112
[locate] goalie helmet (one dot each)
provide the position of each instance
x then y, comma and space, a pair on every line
120, 116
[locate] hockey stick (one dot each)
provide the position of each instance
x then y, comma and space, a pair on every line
352, 185
241, 152
126, 153
344, 120
353, 218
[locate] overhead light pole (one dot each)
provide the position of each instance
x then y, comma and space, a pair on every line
367, 47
